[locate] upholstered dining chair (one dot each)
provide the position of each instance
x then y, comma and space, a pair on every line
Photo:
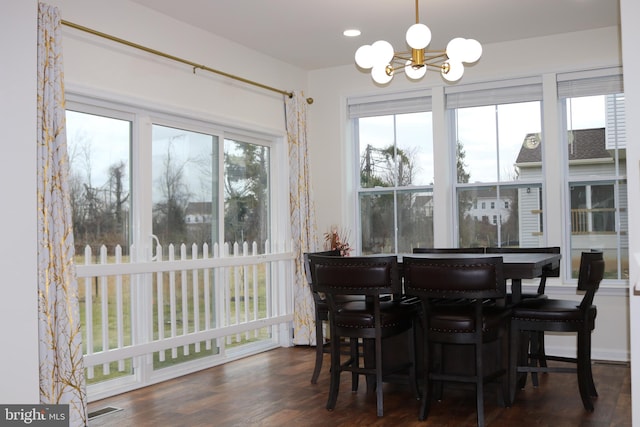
453, 292
534, 315
374, 318
321, 315
535, 343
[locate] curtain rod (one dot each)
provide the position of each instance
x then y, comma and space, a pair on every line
175, 58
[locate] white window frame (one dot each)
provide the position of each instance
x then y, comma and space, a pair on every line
142, 116
602, 81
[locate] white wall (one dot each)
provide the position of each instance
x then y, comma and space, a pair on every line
18, 287
332, 152
97, 65
629, 10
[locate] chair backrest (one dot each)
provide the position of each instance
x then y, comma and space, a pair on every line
474, 250
454, 278
374, 275
590, 275
307, 269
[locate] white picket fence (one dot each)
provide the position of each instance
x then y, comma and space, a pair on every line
179, 306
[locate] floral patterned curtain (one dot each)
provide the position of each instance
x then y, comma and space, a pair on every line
61, 366
303, 219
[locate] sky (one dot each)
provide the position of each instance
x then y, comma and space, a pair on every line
491, 140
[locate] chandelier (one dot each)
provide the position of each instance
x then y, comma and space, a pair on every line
384, 62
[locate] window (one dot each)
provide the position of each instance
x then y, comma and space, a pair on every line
99, 180
595, 147
499, 178
496, 143
184, 186
168, 188
395, 191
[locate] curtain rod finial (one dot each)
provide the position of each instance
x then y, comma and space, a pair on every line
309, 101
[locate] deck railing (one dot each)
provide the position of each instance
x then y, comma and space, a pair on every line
185, 304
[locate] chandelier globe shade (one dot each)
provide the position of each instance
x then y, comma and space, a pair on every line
383, 61
380, 75
414, 72
364, 56
418, 36
454, 71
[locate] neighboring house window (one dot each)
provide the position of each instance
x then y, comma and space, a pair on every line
595, 142
495, 126
592, 209
395, 173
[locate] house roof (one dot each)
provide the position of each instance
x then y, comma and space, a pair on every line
585, 144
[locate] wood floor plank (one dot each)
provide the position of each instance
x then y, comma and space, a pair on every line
274, 389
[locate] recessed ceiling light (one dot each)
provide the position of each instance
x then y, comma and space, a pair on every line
351, 33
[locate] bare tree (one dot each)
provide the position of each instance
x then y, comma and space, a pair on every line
169, 222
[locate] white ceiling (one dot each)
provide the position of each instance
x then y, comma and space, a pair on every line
308, 33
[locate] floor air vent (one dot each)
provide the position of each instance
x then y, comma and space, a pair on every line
104, 411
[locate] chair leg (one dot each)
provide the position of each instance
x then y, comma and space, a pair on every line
334, 386
319, 352
379, 401
514, 356
355, 357
588, 373
479, 385
542, 355
537, 357
413, 379
534, 348
524, 341
584, 369
368, 347
437, 367
503, 387
427, 384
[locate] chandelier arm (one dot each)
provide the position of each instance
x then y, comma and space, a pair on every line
430, 66
398, 58
405, 55
441, 56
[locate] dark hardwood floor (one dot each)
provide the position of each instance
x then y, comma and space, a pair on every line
273, 389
